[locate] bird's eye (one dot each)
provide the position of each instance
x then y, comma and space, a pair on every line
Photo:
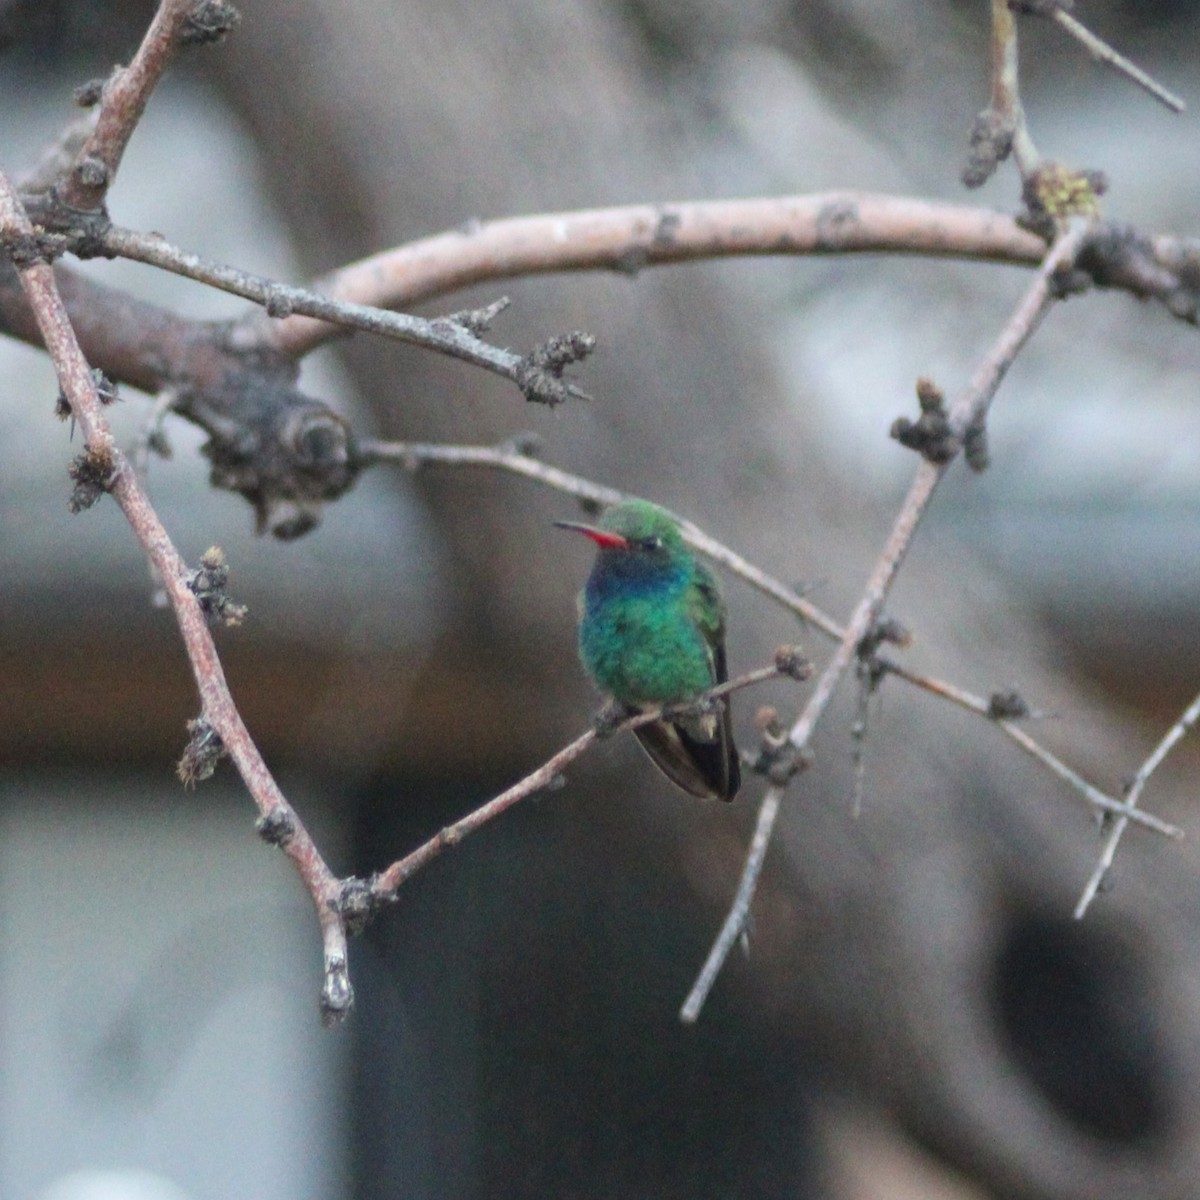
651, 544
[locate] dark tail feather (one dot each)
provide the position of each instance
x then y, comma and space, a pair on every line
705, 767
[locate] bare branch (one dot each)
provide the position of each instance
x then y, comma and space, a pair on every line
768, 811
967, 412
1124, 809
384, 886
141, 344
1132, 796
217, 706
513, 458
122, 102
626, 239
446, 336
1102, 52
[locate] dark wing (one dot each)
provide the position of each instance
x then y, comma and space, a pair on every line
705, 768
698, 754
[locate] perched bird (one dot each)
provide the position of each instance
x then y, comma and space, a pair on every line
651, 632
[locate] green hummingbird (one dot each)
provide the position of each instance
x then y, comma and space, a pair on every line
651, 632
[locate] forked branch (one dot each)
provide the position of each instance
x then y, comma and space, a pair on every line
967, 413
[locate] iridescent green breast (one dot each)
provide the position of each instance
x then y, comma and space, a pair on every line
644, 645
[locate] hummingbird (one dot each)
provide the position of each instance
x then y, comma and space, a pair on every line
652, 632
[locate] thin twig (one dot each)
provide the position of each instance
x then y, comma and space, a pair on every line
386, 884
122, 103
1001, 129
510, 458
1093, 795
1006, 92
966, 413
445, 336
730, 932
217, 706
1132, 796
1102, 52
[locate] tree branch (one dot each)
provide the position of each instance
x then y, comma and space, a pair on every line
217, 707
1102, 52
383, 887
627, 239
1132, 796
514, 458
1124, 810
123, 100
967, 413
444, 335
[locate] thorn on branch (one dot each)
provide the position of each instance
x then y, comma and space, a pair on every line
201, 755
209, 22
930, 435
871, 667
106, 392
208, 583
870, 673
276, 828
93, 472
540, 373
477, 321
975, 447
106, 388
1007, 706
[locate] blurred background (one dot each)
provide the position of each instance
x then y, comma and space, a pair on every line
917, 1014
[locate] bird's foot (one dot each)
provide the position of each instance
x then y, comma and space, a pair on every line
610, 718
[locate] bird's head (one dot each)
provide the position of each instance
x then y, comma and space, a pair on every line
636, 538
635, 528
